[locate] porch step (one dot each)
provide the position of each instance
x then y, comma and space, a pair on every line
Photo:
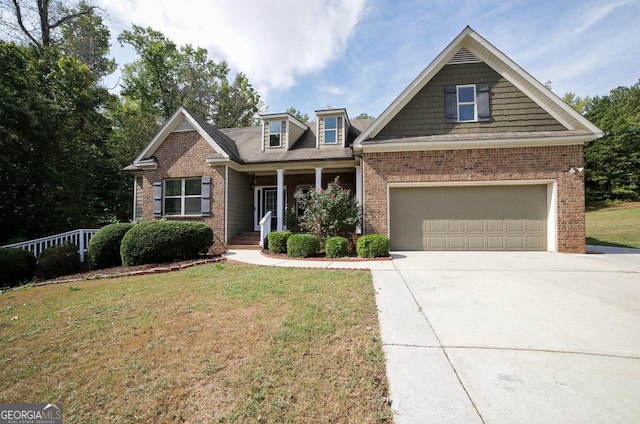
247, 241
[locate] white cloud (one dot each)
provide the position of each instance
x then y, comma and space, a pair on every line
272, 42
332, 89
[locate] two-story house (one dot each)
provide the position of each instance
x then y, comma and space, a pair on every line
474, 154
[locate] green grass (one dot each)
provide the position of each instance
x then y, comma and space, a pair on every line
215, 343
617, 225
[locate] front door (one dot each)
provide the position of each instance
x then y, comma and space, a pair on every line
270, 203
267, 200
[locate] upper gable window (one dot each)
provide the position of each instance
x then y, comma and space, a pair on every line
331, 130
275, 133
467, 103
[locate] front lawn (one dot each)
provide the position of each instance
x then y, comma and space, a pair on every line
617, 225
216, 343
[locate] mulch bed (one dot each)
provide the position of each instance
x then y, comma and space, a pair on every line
127, 271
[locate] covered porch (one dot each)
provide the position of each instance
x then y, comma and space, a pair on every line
273, 191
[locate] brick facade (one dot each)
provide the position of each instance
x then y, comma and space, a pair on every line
526, 163
182, 155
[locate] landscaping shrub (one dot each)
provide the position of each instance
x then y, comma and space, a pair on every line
336, 247
104, 246
328, 212
58, 260
164, 241
277, 241
302, 245
16, 266
373, 246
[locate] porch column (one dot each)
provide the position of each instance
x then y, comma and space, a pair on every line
318, 178
359, 194
359, 184
280, 200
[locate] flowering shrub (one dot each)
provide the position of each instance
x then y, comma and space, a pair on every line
328, 212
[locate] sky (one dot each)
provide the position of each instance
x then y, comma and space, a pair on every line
361, 54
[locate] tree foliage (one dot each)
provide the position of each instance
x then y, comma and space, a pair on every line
365, 115
613, 162
166, 76
329, 212
55, 171
302, 117
87, 38
39, 21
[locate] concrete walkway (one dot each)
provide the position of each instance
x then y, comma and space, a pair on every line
506, 337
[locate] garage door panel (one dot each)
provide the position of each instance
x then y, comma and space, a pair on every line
457, 226
511, 217
477, 243
515, 225
495, 243
495, 225
476, 226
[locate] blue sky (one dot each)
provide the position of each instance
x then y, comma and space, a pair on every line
361, 54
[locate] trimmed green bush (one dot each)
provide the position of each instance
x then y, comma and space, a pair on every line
373, 246
164, 241
302, 245
17, 266
336, 247
58, 260
104, 246
277, 241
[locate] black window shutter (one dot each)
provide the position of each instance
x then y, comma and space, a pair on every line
450, 104
157, 198
205, 205
482, 99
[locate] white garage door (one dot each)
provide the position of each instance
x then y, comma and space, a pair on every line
506, 217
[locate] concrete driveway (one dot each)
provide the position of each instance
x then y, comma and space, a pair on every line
512, 337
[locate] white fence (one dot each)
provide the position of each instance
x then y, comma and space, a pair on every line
78, 237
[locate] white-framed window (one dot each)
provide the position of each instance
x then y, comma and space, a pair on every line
183, 197
331, 130
466, 95
467, 103
275, 133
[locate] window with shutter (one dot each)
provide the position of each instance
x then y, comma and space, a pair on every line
467, 103
183, 197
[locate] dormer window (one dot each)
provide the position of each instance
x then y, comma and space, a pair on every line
331, 130
275, 133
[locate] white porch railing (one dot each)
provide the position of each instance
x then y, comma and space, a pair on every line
265, 227
78, 237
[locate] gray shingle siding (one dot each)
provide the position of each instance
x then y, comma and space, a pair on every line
240, 206
511, 110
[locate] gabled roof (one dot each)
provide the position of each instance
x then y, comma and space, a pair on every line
473, 45
224, 147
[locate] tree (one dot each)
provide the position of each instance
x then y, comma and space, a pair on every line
613, 161
304, 118
579, 104
87, 38
364, 115
39, 20
328, 212
166, 76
